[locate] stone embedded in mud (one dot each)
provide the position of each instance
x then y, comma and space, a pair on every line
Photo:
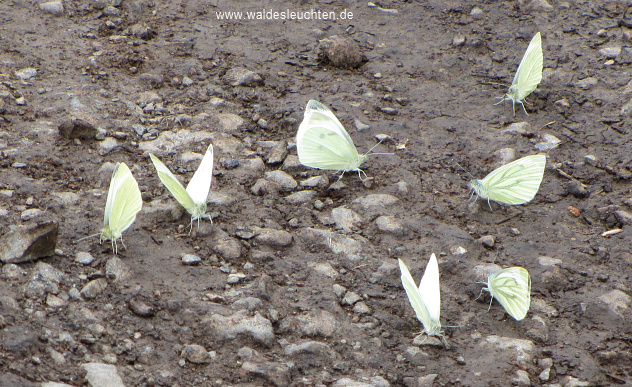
517, 128
625, 217
577, 189
337, 243
230, 122
276, 374
197, 354
83, 128
117, 269
55, 8
487, 241
389, 224
94, 288
26, 73
278, 153
100, 374
345, 218
240, 76
341, 52
28, 243
535, 5
226, 246
521, 349
282, 179
617, 301
316, 323
272, 237
549, 142
376, 201
240, 325
300, 197
141, 308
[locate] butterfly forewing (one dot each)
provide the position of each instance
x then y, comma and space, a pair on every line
123, 203
173, 185
200, 183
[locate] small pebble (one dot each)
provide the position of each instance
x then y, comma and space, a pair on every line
190, 259
487, 241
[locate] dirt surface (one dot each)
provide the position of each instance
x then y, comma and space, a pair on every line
303, 289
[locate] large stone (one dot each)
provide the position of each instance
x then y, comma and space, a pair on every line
102, 375
28, 243
240, 325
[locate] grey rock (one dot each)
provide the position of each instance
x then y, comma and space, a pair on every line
341, 52
55, 384
318, 323
230, 163
30, 214
262, 123
240, 324
141, 308
577, 189
251, 304
348, 382
376, 200
344, 218
487, 241
264, 187
235, 278
67, 199
360, 126
519, 349
540, 306
311, 352
548, 261
481, 271
335, 242
225, 246
339, 291
84, 258
190, 259
111, 11
82, 126
102, 375
55, 302
117, 269
197, 354
278, 153
320, 181
240, 76
505, 156
361, 308
535, 5
168, 140
610, 52
549, 142
272, 237
586, 83
389, 224
94, 288
158, 211
276, 374
522, 378
282, 179
230, 122
427, 380
617, 301
625, 217
55, 8
12, 271
107, 145
301, 197
350, 298
45, 279
517, 128
26, 73
151, 80
28, 243
570, 381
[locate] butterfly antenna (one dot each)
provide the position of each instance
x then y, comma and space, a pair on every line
369, 152
464, 170
86, 237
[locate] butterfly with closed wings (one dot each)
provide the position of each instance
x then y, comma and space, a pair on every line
194, 197
123, 203
322, 142
513, 183
425, 300
512, 288
528, 76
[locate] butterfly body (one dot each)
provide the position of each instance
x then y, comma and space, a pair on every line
514, 183
512, 288
124, 201
323, 143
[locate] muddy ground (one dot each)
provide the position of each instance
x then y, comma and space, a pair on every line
303, 289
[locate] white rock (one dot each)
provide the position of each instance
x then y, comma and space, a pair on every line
26, 73
522, 349
344, 218
55, 8
617, 301
102, 375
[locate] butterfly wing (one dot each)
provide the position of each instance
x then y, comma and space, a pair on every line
513, 183
173, 185
425, 300
200, 183
123, 202
512, 288
529, 72
322, 142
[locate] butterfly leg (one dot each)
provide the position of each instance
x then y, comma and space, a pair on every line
341, 175
490, 304
523, 108
480, 294
489, 205
365, 176
446, 346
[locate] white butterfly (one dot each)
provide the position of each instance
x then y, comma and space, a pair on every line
322, 142
512, 288
425, 300
528, 76
194, 197
123, 203
513, 183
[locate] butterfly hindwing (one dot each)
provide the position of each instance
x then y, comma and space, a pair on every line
173, 185
124, 201
529, 74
